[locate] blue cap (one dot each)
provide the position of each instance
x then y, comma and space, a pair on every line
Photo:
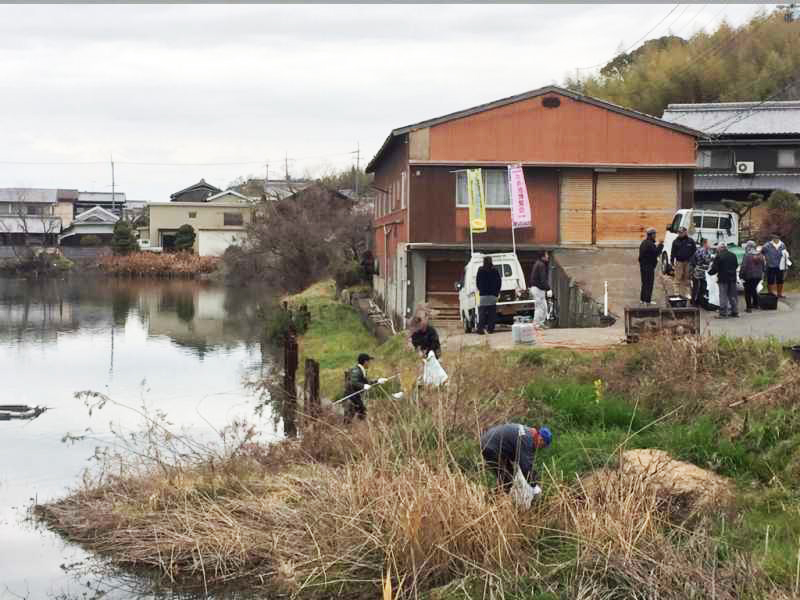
546, 434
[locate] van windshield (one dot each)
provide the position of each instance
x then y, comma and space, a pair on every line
504, 270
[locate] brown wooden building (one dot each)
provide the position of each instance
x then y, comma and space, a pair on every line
596, 173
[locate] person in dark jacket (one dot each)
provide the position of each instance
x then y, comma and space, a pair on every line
724, 267
540, 285
682, 251
752, 272
424, 337
489, 283
700, 264
649, 252
357, 381
505, 446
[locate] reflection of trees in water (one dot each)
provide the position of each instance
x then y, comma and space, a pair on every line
122, 301
184, 306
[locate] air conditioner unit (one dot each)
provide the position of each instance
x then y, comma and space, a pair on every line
745, 167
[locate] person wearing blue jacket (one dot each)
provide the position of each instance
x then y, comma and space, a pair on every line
774, 252
505, 446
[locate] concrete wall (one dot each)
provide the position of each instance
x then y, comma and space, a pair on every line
64, 210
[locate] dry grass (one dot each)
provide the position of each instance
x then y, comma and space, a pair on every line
149, 264
331, 513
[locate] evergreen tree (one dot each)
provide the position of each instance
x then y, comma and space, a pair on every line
123, 241
184, 238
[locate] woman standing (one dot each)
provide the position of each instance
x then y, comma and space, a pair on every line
751, 272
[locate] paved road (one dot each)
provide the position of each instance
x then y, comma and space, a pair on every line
783, 324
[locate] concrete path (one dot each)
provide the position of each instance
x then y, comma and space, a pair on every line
783, 324
583, 339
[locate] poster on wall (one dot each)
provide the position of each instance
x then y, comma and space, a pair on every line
518, 191
477, 204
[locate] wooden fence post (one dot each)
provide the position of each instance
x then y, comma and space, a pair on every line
289, 386
313, 405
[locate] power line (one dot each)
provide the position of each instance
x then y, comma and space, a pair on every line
664, 18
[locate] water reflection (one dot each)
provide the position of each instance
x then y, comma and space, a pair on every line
181, 347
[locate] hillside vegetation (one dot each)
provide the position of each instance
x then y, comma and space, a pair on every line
757, 61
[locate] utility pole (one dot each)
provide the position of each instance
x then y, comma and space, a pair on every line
113, 186
266, 177
358, 166
286, 166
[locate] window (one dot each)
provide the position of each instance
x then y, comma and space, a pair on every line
32, 209
788, 158
710, 222
495, 186
232, 218
714, 159
504, 270
676, 222
192, 214
403, 190
725, 223
697, 221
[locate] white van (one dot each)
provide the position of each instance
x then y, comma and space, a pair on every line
714, 225
514, 297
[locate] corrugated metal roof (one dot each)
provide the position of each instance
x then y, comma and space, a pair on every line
758, 182
29, 195
737, 118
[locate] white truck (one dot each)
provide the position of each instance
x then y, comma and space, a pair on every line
714, 225
514, 299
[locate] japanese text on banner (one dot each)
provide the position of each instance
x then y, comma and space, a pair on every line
520, 207
477, 204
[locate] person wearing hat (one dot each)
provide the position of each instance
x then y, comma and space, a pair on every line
357, 381
682, 251
505, 446
649, 252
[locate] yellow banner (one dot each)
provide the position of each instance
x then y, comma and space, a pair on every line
477, 204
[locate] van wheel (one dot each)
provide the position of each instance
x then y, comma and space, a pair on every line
666, 268
467, 324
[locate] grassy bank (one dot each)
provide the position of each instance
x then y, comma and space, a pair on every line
403, 497
149, 264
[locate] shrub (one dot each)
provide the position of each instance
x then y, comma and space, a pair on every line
348, 275
184, 238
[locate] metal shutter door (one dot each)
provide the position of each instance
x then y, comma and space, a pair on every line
628, 202
575, 218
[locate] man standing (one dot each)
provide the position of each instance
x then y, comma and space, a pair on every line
539, 287
700, 263
724, 267
503, 447
682, 251
649, 252
488, 282
357, 381
774, 252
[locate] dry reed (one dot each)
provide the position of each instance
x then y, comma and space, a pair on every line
149, 264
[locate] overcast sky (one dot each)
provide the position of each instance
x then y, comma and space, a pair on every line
248, 84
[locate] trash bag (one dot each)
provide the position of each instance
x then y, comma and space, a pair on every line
522, 493
433, 374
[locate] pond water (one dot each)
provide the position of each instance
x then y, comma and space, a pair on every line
185, 348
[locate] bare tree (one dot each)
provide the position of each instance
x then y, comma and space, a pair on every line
29, 220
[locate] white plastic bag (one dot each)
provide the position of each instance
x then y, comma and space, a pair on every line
433, 374
522, 493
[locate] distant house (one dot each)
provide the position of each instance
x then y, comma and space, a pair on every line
596, 174
749, 147
114, 203
96, 221
219, 220
32, 216
199, 192
273, 189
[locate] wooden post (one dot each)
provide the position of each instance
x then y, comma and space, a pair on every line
313, 405
289, 389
